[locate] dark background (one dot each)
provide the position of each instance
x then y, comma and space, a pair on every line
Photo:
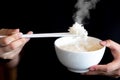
39, 61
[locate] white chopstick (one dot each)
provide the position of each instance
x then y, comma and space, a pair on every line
40, 35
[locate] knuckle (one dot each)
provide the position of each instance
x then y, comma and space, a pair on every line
108, 69
4, 41
16, 36
12, 46
109, 40
23, 41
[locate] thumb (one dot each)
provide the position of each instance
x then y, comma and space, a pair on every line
98, 68
114, 65
114, 47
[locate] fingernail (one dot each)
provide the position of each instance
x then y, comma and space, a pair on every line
20, 34
103, 43
92, 69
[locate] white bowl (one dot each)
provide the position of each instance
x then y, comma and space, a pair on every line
78, 61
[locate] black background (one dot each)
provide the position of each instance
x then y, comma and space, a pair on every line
39, 61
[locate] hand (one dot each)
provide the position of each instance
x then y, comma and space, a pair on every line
12, 44
112, 68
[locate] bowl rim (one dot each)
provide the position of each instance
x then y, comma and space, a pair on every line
102, 47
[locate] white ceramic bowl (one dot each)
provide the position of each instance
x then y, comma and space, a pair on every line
78, 61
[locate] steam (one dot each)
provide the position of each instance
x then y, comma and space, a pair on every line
83, 7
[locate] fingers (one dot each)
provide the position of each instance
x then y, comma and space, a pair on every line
103, 70
30, 32
13, 42
11, 54
8, 31
14, 45
111, 74
112, 68
110, 44
99, 70
7, 40
114, 47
